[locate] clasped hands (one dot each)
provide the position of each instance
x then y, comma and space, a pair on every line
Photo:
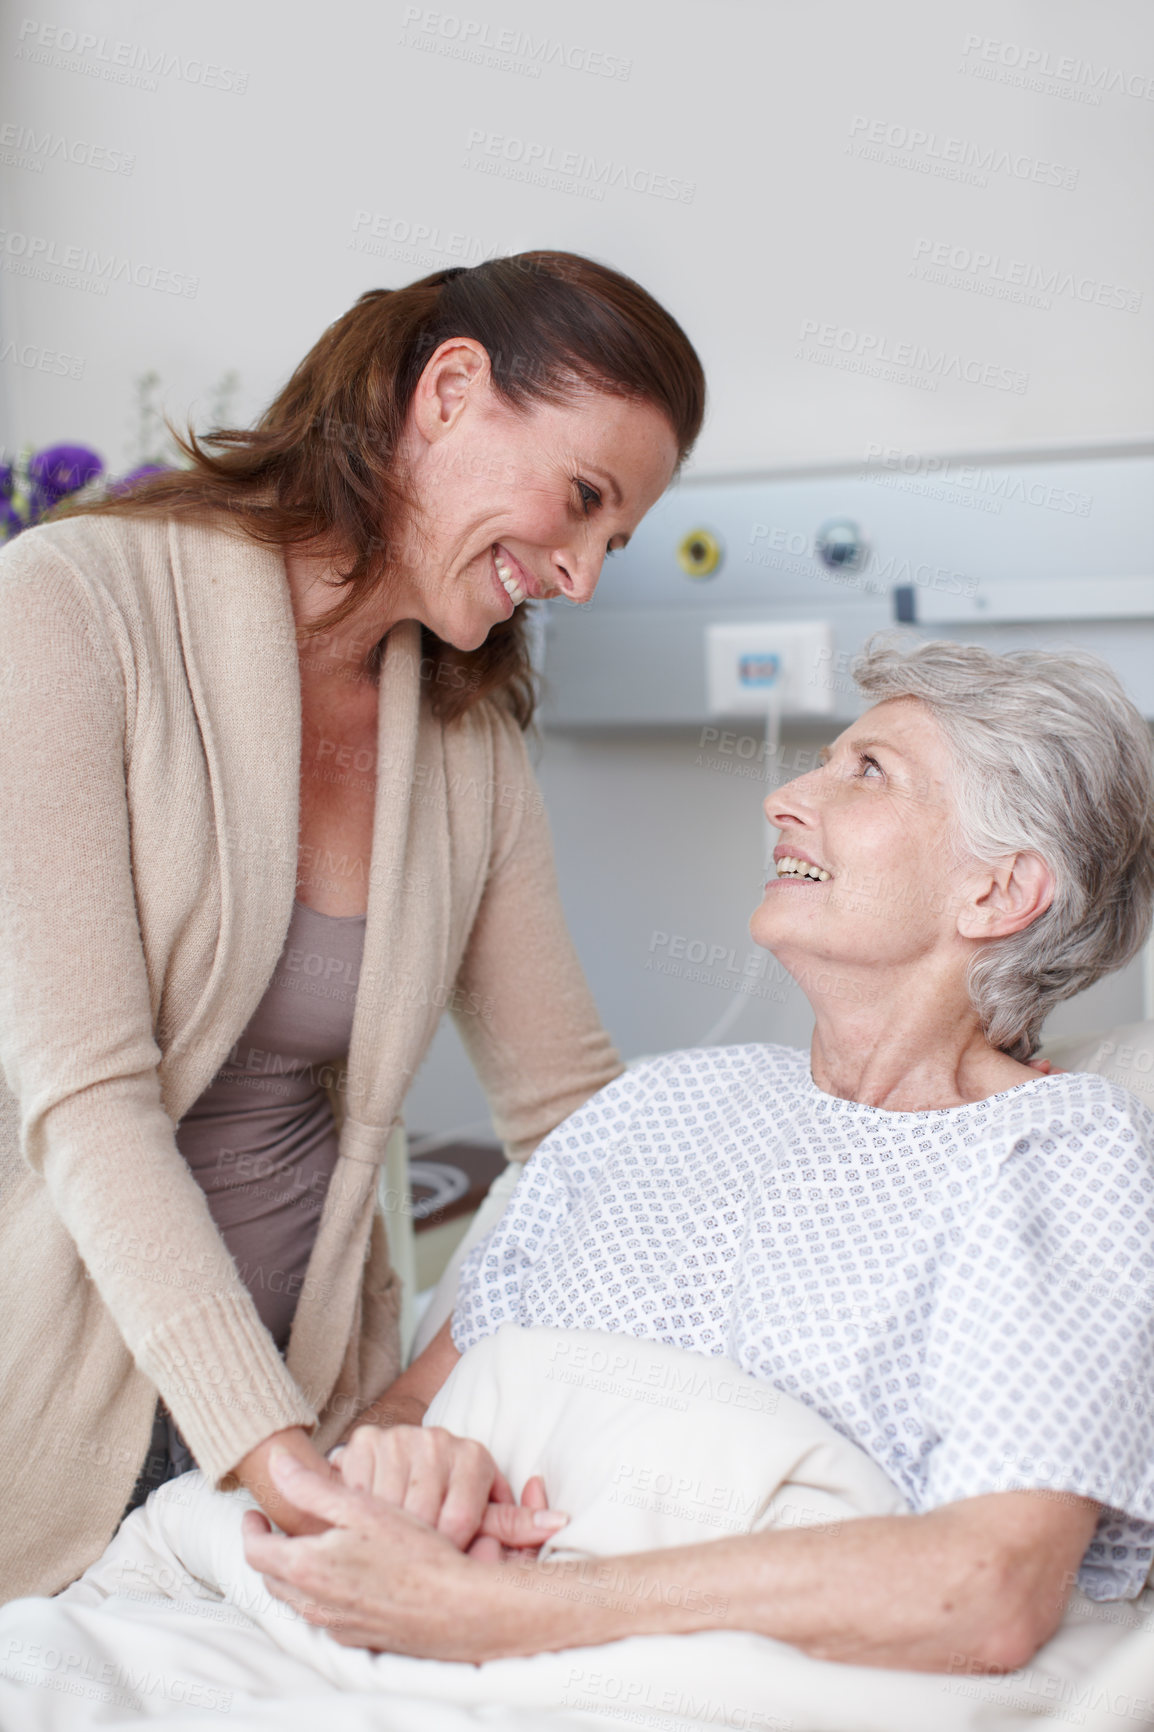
394, 1533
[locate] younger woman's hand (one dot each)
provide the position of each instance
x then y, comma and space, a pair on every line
452, 1483
253, 1473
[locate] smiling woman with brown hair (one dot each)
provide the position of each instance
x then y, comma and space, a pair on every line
183, 1215
342, 467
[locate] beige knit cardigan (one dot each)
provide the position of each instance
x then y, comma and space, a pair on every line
150, 726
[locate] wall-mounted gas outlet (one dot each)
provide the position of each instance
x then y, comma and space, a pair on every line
784, 664
699, 553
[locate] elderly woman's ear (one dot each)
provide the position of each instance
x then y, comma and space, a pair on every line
1006, 897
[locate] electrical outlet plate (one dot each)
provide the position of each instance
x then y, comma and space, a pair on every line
786, 664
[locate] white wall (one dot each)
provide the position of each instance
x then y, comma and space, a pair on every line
752, 104
268, 128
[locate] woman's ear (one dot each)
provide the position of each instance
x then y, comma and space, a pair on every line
453, 371
1006, 897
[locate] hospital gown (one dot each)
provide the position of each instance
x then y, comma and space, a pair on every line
966, 1292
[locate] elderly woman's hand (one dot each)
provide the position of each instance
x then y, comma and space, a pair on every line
451, 1483
378, 1578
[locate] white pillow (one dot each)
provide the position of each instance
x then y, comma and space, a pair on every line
645, 1445
1124, 1054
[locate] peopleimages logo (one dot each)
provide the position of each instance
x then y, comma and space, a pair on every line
40, 360
969, 484
116, 62
26, 147
900, 146
1004, 278
987, 55
381, 235
79, 267
503, 49
537, 164
871, 352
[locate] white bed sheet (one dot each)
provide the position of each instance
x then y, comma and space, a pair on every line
645, 1445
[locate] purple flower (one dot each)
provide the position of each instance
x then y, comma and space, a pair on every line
62, 469
7, 480
11, 523
125, 483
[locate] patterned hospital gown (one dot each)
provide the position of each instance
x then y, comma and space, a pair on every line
966, 1292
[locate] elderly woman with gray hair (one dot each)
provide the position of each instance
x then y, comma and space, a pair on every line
941, 1251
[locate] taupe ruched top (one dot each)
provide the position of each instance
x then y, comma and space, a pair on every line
261, 1139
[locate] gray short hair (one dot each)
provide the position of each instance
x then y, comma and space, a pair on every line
1052, 758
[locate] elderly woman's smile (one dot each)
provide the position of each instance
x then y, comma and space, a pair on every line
869, 874
798, 868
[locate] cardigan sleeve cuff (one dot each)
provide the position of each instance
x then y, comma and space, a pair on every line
223, 1381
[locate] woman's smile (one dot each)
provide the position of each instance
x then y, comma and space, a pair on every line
513, 579
489, 477
878, 803
795, 868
